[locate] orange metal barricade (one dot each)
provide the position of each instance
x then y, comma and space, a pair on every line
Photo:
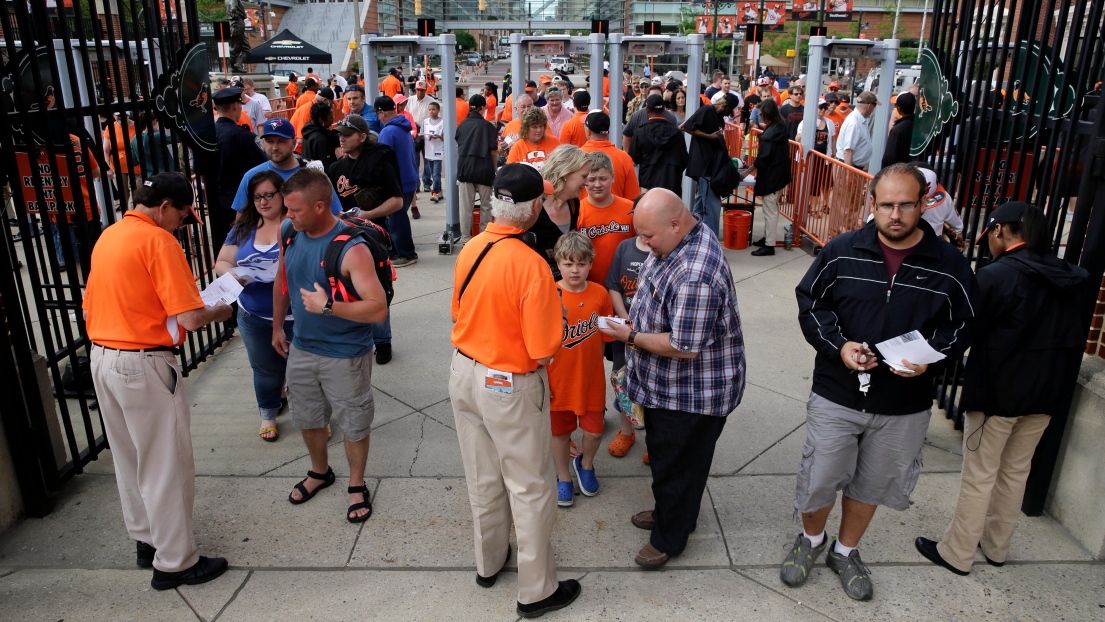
734, 140
282, 103
833, 198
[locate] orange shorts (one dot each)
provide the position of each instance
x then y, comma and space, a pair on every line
564, 422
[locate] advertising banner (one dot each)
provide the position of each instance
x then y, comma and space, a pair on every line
775, 16
839, 10
805, 11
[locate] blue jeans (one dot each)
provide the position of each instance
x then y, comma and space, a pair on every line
707, 206
431, 174
55, 231
268, 366
399, 226
381, 331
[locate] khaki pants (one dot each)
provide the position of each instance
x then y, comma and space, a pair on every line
505, 442
771, 216
996, 462
148, 425
467, 198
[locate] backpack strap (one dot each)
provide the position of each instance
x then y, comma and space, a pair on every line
285, 243
331, 264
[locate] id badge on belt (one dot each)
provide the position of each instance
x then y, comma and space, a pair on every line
499, 381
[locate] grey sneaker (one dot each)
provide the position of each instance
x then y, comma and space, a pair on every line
796, 567
855, 577
403, 262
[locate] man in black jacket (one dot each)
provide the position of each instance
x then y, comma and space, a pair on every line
897, 142
659, 149
319, 141
708, 163
478, 151
865, 420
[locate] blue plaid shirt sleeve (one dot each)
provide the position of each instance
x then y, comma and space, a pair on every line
693, 314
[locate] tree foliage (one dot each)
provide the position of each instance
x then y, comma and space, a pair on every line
211, 10
465, 39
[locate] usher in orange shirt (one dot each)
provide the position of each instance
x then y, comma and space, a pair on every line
577, 375
606, 227
571, 133
535, 154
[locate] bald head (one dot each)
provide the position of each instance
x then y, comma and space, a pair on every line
662, 220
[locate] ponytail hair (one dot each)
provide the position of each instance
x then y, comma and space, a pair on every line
1033, 230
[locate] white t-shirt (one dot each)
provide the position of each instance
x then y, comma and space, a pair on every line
940, 209
434, 131
855, 134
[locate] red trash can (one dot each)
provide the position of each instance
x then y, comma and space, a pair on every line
738, 228
475, 221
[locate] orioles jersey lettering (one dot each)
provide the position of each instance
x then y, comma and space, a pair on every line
582, 330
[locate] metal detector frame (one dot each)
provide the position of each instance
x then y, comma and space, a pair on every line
593, 44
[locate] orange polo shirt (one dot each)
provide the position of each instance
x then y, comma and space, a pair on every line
293, 90
837, 118
122, 146
571, 133
462, 110
625, 176
490, 112
512, 291
533, 153
305, 99
391, 86
139, 280
606, 227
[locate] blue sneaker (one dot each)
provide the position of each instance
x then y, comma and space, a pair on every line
588, 483
565, 494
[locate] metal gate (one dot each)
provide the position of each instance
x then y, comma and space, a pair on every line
79, 82
1010, 109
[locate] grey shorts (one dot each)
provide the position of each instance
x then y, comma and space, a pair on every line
321, 388
874, 459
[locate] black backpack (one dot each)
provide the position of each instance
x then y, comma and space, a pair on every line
378, 241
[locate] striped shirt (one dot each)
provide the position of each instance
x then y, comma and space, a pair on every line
689, 294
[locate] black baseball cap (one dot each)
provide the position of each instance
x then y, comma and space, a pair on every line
384, 103
520, 182
654, 102
598, 122
327, 92
1005, 213
581, 99
310, 82
906, 103
176, 188
477, 100
832, 97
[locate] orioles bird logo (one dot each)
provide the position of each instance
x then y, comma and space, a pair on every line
48, 97
201, 100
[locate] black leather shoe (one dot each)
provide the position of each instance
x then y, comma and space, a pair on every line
762, 242
564, 595
988, 560
206, 569
927, 548
490, 581
383, 353
765, 251
144, 557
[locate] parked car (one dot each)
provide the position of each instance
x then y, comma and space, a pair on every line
473, 59
562, 63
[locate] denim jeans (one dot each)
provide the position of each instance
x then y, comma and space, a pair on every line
55, 231
268, 366
399, 226
431, 174
707, 206
381, 331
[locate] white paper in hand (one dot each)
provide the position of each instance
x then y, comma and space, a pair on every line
226, 289
911, 347
606, 321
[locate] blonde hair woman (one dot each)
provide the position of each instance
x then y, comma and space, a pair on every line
566, 169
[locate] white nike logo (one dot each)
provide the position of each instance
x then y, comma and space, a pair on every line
921, 278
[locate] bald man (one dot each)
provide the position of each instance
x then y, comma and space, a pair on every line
684, 364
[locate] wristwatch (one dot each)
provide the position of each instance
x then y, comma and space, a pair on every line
632, 336
329, 308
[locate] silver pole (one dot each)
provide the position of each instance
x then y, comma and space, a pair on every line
882, 113
598, 42
616, 88
449, 104
518, 84
695, 45
921, 39
371, 88
814, 79
897, 14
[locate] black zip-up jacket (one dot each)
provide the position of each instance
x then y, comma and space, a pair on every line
661, 151
319, 144
846, 296
1028, 337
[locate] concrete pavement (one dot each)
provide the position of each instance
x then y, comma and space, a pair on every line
413, 559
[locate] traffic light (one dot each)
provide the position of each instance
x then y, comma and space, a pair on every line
426, 27
652, 28
754, 33
819, 31
600, 26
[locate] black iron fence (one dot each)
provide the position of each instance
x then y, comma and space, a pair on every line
1022, 120
81, 95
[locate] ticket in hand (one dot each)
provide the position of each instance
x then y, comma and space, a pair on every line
607, 321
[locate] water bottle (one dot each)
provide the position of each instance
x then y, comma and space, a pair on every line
788, 237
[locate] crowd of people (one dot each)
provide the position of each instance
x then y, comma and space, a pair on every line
312, 218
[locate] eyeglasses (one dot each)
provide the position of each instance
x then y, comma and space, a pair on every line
888, 208
267, 196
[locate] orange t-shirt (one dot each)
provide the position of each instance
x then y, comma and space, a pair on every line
490, 112
606, 227
514, 292
292, 89
306, 99
571, 133
300, 118
462, 110
315, 76
122, 146
508, 109
837, 118
577, 375
391, 86
431, 86
625, 176
606, 86
535, 154
140, 281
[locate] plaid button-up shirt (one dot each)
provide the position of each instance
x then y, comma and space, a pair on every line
689, 294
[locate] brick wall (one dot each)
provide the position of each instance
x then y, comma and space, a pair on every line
1095, 344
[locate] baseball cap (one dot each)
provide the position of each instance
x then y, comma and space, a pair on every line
832, 97
764, 81
384, 103
719, 96
598, 122
906, 103
545, 79
279, 127
822, 102
176, 188
421, 84
1006, 213
228, 95
327, 92
581, 99
531, 85
930, 178
867, 97
399, 99
352, 123
834, 85
309, 82
519, 183
645, 82
477, 100
557, 78
654, 102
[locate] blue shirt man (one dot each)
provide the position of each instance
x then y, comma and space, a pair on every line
278, 142
397, 135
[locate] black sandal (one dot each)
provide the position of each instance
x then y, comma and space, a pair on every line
363, 489
327, 480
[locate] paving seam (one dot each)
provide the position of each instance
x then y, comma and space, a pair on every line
444, 289
376, 388
770, 390
418, 447
784, 594
189, 604
353, 549
233, 596
720, 527
769, 448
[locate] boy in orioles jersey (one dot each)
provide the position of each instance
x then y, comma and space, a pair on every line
577, 377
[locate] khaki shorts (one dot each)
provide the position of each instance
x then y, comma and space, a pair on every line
321, 389
874, 459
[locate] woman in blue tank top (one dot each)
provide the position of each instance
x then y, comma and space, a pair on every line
251, 253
